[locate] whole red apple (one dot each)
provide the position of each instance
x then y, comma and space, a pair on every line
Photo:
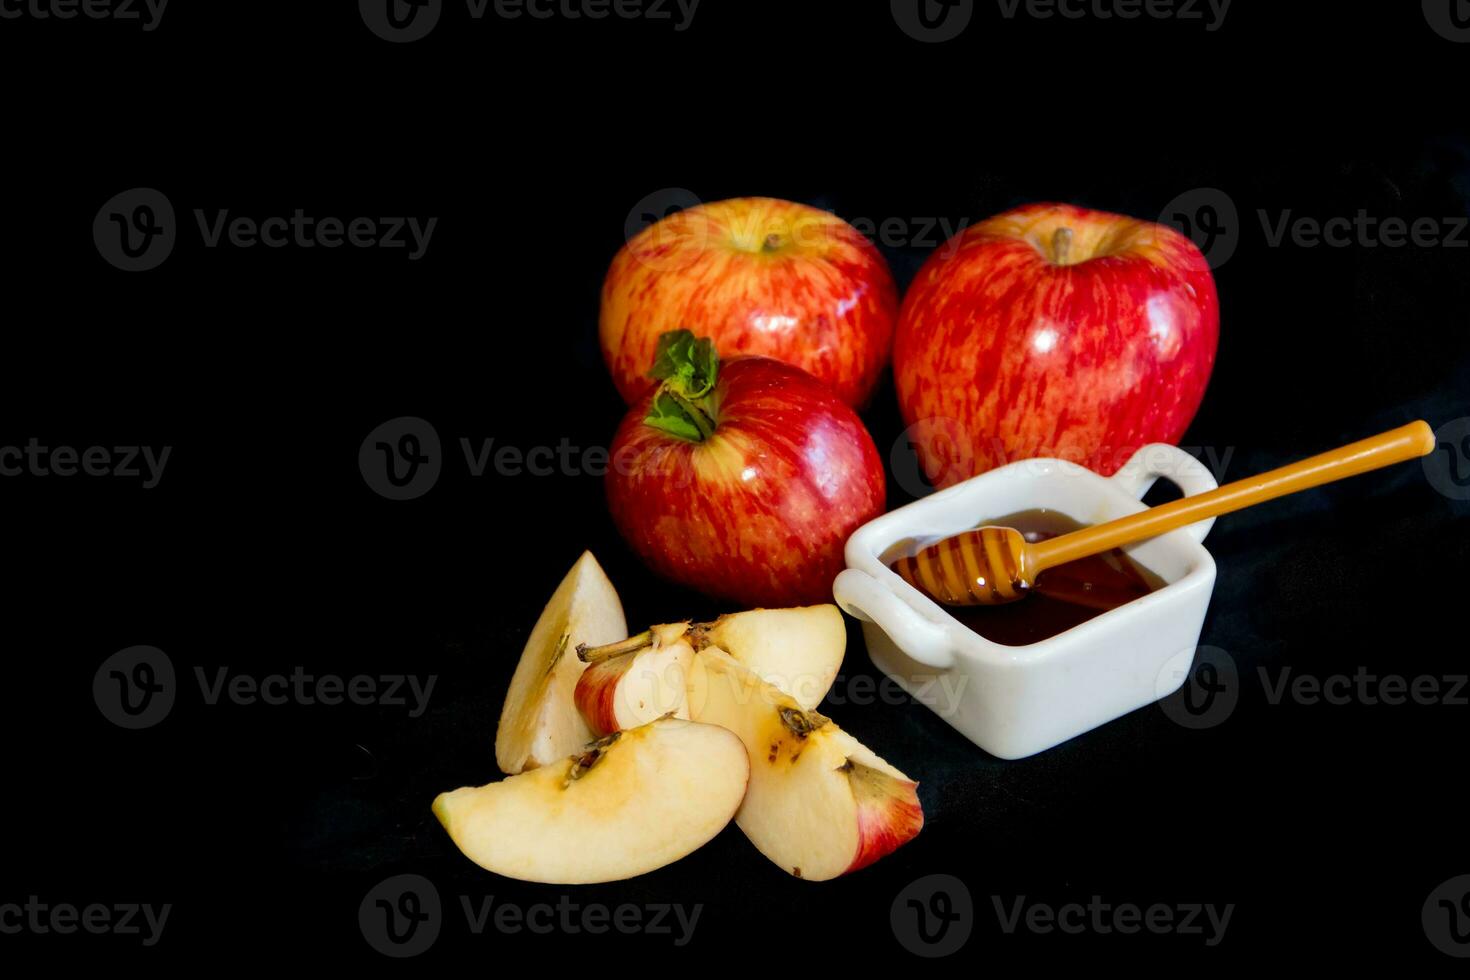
758, 276
1055, 331
742, 479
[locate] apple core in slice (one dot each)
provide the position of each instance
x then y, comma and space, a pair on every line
820, 804
632, 683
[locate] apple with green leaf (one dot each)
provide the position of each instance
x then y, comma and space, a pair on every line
743, 478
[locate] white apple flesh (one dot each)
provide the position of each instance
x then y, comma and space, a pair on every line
798, 650
631, 803
539, 724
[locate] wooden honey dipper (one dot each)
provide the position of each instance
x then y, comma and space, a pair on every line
994, 565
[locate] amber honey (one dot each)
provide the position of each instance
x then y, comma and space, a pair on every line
1063, 597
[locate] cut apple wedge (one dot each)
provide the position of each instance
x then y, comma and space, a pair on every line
637, 681
634, 681
539, 724
798, 650
820, 804
630, 803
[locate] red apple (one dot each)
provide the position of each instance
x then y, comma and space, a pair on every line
758, 276
742, 479
1056, 331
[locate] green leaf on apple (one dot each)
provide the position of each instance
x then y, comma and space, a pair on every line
691, 363
668, 415
688, 367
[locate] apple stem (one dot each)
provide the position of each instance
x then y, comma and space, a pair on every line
1061, 244
772, 243
594, 655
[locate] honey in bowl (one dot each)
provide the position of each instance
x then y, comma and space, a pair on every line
1062, 597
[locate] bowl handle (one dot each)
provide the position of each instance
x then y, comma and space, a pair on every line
864, 598
1159, 459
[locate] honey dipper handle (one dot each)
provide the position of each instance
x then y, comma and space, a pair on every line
1394, 446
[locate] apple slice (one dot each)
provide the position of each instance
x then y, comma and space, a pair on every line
630, 803
637, 681
798, 650
539, 724
820, 804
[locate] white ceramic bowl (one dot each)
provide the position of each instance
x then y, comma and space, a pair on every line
1015, 701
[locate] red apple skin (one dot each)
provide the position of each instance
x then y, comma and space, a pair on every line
1003, 354
758, 513
596, 692
889, 816
759, 276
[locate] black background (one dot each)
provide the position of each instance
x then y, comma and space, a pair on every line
262, 549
